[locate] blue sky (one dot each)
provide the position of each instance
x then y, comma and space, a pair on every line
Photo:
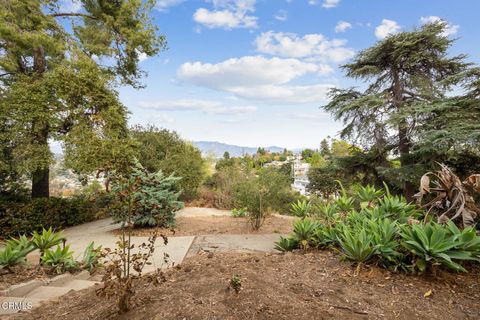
254, 73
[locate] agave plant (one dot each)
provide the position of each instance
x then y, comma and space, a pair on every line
285, 244
432, 245
304, 232
239, 213
46, 239
301, 208
396, 207
384, 234
91, 257
11, 256
356, 245
344, 203
327, 212
60, 259
21, 243
367, 195
467, 239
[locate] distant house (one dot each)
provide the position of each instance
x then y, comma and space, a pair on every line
300, 175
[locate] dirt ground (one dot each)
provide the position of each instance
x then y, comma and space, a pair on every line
195, 226
282, 286
20, 274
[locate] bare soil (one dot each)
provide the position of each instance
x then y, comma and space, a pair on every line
20, 273
282, 286
194, 226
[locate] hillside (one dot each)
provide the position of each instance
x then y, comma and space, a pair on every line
218, 148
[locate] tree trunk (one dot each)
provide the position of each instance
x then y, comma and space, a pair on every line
40, 176
403, 140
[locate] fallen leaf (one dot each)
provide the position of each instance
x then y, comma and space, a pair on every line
428, 293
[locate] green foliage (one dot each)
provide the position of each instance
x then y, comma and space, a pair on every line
45, 240
385, 234
160, 149
285, 244
91, 257
21, 243
239, 213
46, 46
23, 216
433, 245
12, 255
236, 283
301, 208
367, 195
148, 199
60, 259
356, 245
304, 232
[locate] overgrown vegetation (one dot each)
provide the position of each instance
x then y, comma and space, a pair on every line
379, 228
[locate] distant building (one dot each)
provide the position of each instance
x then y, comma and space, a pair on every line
300, 175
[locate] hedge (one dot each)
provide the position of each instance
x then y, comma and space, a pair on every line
24, 217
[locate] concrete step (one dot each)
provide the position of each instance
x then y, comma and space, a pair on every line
48, 292
10, 305
79, 284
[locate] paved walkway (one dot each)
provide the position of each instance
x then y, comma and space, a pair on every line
31, 294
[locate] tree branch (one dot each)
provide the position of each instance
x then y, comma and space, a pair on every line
72, 14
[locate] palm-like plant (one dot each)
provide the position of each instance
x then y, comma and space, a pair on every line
91, 256
285, 244
60, 259
21, 243
356, 244
11, 256
367, 195
301, 208
304, 232
46, 239
432, 245
384, 234
327, 212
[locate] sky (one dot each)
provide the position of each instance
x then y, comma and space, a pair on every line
255, 73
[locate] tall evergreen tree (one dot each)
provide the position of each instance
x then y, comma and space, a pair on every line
58, 71
404, 71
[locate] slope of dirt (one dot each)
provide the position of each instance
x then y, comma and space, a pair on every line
276, 286
194, 226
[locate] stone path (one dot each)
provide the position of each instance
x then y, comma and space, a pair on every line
31, 294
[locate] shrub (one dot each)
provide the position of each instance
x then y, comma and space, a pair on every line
11, 256
60, 259
285, 244
301, 208
367, 195
239, 213
148, 199
27, 215
45, 240
304, 232
91, 257
433, 245
21, 243
356, 245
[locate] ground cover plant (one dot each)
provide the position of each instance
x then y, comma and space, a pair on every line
379, 228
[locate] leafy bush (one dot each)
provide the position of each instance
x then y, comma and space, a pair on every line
356, 245
239, 213
385, 233
21, 243
60, 259
304, 232
22, 216
11, 256
433, 245
91, 257
301, 208
45, 240
367, 195
149, 199
285, 244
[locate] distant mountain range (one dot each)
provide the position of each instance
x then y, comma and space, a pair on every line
218, 149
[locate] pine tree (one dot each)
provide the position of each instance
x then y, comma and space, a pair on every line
404, 71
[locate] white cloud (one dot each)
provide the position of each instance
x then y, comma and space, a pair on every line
330, 3
313, 46
315, 116
163, 5
212, 107
450, 29
227, 14
386, 28
70, 6
342, 26
142, 56
281, 15
257, 78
